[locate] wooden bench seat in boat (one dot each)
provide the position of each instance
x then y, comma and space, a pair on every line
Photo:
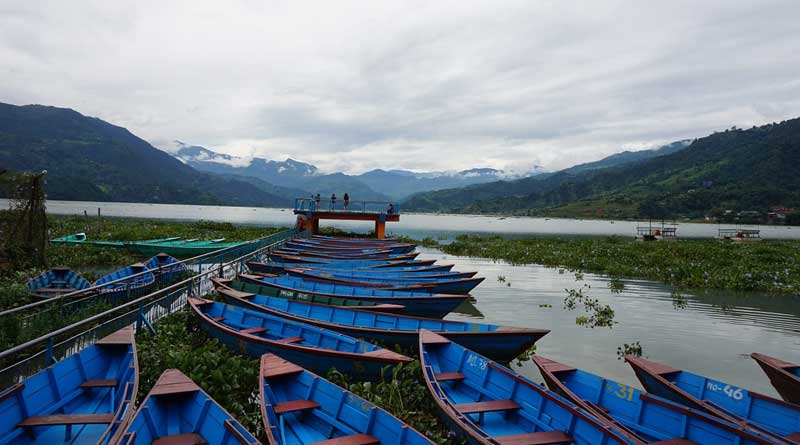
353, 439
253, 330
67, 419
488, 406
218, 318
181, 439
99, 383
295, 405
291, 340
449, 376
540, 438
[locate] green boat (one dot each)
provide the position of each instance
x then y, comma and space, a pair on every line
175, 246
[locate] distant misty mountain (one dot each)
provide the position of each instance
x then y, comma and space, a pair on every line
630, 156
303, 179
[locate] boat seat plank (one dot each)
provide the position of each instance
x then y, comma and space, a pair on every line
794, 437
181, 439
67, 419
353, 439
674, 442
253, 330
173, 381
449, 376
488, 406
540, 438
290, 340
120, 337
99, 383
218, 318
295, 405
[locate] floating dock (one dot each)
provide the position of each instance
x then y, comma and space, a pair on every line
310, 211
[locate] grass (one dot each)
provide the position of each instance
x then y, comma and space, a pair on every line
768, 266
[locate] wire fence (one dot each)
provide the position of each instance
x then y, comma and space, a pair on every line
21, 361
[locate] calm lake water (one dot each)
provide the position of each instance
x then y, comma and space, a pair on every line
713, 335
414, 225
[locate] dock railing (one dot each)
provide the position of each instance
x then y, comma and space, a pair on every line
362, 207
744, 234
28, 357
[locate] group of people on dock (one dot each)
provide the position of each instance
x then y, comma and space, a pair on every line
316, 199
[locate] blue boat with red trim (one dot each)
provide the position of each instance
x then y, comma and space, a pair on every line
178, 412
491, 405
256, 333
422, 304
82, 399
643, 418
501, 343
441, 285
299, 407
751, 411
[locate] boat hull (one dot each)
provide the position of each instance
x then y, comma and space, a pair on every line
359, 365
435, 306
502, 345
462, 383
460, 286
329, 411
783, 376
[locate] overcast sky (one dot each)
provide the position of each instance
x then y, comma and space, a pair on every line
430, 85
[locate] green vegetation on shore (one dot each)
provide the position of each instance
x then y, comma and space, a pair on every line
769, 266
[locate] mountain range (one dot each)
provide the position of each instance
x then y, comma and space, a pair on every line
298, 176
737, 170
90, 159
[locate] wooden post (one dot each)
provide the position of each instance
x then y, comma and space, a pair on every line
380, 229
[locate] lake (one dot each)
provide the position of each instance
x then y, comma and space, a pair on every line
412, 224
712, 335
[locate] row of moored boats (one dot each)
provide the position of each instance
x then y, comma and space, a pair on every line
323, 303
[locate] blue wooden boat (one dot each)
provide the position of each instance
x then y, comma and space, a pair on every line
83, 399
643, 418
300, 246
57, 281
784, 376
136, 285
279, 268
256, 333
165, 267
388, 273
384, 255
501, 343
752, 411
421, 304
490, 404
444, 285
178, 412
261, 289
327, 246
300, 408
393, 262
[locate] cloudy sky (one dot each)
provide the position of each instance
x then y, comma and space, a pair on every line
429, 85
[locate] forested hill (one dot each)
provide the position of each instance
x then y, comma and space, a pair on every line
737, 170
89, 159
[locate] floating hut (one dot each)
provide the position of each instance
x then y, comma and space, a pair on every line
651, 232
740, 235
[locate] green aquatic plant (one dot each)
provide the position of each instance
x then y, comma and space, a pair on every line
634, 349
600, 315
769, 266
616, 285
679, 301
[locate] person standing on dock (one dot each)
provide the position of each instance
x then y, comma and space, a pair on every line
346, 200
333, 201
317, 199
390, 209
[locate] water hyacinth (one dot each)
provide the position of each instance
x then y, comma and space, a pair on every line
767, 266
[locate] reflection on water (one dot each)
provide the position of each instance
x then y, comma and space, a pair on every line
713, 335
414, 225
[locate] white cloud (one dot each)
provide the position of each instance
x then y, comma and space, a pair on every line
414, 85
